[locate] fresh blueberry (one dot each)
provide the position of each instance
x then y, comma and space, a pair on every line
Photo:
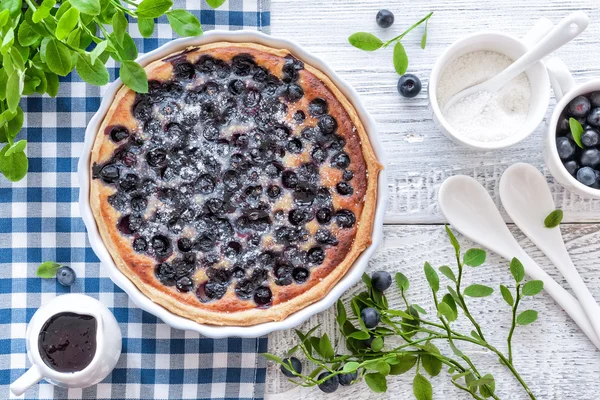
563, 125
590, 157
579, 107
409, 85
594, 117
381, 280
369, 340
595, 99
370, 317
384, 18
571, 167
65, 276
330, 385
587, 176
565, 147
295, 364
590, 137
347, 379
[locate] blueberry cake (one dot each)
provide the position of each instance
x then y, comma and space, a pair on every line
239, 189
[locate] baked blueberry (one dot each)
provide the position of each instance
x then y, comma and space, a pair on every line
231, 179
142, 110
409, 85
205, 242
236, 87
283, 273
165, 273
300, 274
323, 236
292, 363
139, 203
289, 179
251, 98
184, 284
345, 218
161, 245
316, 256
232, 249
381, 280
109, 173
294, 93
129, 183
183, 70
319, 154
263, 296
304, 195
565, 147
370, 317
579, 107
384, 18
215, 290
340, 160
156, 157
298, 216
243, 64
327, 124
329, 385
185, 244
344, 188
118, 133
205, 184
294, 146
129, 224
586, 175
318, 107
324, 215
590, 158
140, 244
273, 191
299, 116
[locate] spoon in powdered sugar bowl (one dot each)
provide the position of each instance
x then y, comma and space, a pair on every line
527, 200
568, 29
470, 210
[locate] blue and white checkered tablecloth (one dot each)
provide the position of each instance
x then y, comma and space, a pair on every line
39, 221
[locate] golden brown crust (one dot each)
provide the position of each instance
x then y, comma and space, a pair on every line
286, 299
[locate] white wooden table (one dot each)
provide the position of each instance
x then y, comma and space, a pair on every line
553, 355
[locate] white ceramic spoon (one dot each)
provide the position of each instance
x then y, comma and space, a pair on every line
527, 200
470, 210
565, 31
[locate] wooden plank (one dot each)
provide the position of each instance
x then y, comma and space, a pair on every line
553, 355
420, 156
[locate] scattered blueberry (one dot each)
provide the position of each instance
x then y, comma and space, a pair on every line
330, 385
384, 18
579, 107
565, 147
590, 157
409, 85
295, 364
65, 276
370, 317
347, 379
381, 280
590, 137
586, 175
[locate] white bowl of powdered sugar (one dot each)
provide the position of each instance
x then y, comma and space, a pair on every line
487, 120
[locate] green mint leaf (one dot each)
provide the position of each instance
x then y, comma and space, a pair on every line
26, 35
507, 295
365, 41
153, 8
576, 131
146, 26
17, 147
64, 7
43, 10
517, 270
7, 41
58, 57
119, 23
13, 6
404, 364
424, 37
448, 273
15, 124
366, 280
553, 219
527, 317
184, 23
89, 7
376, 382
402, 281
532, 288
422, 388
53, 84
67, 23
326, 347
98, 50
377, 345
14, 88
400, 59
47, 269
477, 290
474, 257
134, 76
215, 3
453, 240
4, 15
92, 73
14, 166
432, 277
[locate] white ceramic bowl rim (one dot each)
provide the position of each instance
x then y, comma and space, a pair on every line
353, 274
441, 64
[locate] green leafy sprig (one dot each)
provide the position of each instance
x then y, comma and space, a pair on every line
553, 219
368, 356
369, 42
40, 41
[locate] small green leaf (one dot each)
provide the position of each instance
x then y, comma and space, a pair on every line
453, 240
146, 26
7, 41
405, 363
134, 76
532, 288
18, 147
476, 336
576, 131
53, 84
13, 6
98, 50
215, 3
341, 313
517, 270
14, 166
26, 35
432, 277
4, 17
92, 73
326, 347
477, 290
376, 382
14, 88
484, 380
184, 23
58, 58
119, 23
488, 389
47, 269
431, 363
445, 310
43, 10
90, 7
400, 59
422, 388
360, 335
402, 281
15, 124
377, 344
268, 356
448, 273
553, 219
418, 308
383, 367
128, 50
399, 313
153, 8
350, 367
424, 37
67, 23
366, 280
527, 317
474, 257
365, 41
507, 295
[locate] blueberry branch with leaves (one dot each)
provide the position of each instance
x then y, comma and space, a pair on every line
369, 42
40, 41
381, 341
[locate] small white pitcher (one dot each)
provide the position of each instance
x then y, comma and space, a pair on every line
108, 345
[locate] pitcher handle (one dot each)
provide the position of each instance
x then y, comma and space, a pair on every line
560, 78
32, 376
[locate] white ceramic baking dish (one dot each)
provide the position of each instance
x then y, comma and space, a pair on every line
353, 274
